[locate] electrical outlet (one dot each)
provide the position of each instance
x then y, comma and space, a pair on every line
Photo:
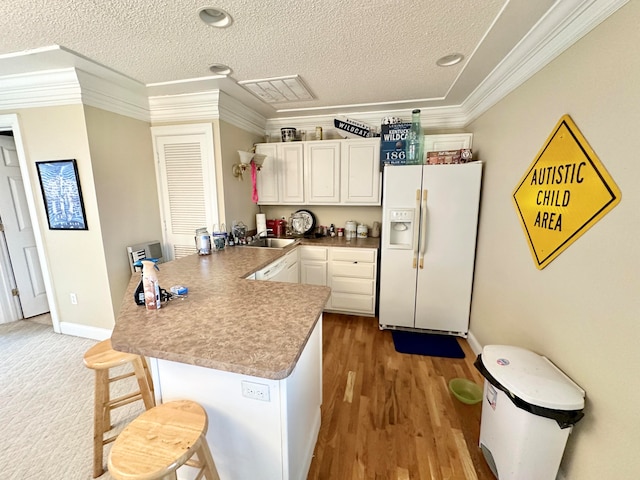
74, 298
257, 391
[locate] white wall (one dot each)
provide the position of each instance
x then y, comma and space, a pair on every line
582, 310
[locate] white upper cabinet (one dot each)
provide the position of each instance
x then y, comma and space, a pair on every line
280, 180
360, 172
322, 172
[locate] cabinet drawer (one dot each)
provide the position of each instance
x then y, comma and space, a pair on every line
350, 302
313, 253
352, 285
351, 269
354, 254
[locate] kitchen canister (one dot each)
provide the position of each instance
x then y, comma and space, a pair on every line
288, 134
350, 230
362, 231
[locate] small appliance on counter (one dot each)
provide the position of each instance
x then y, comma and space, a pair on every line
203, 241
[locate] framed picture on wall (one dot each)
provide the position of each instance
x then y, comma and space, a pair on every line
62, 194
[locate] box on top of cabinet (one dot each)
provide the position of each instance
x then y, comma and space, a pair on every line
392, 143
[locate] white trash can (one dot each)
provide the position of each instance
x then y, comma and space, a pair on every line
529, 408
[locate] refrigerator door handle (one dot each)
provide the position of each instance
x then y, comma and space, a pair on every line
416, 230
423, 229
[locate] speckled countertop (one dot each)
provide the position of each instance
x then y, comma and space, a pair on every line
226, 322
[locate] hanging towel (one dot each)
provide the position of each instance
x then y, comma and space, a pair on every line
254, 194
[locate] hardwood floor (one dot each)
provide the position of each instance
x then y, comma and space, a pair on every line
387, 415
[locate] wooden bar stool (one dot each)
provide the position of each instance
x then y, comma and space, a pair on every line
102, 357
161, 440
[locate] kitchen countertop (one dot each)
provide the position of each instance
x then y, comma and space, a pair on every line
227, 322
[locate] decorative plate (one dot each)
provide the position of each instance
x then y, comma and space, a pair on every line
306, 224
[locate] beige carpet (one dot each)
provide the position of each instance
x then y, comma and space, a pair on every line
46, 404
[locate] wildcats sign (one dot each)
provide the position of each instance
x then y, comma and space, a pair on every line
564, 193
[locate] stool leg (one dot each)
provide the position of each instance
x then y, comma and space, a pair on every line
143, 384
149, 379
100, 416
205, 458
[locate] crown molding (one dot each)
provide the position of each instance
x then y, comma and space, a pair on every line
98, 86
209, 105
129, 99
238, 114
184, 107
562, 27
40, 89
71, 86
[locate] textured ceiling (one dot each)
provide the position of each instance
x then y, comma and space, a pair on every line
371, 54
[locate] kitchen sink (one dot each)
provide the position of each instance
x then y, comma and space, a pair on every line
272, 242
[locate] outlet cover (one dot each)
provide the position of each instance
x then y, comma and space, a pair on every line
257, 391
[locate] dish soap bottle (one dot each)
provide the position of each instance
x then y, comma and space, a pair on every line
415, 140
150, 285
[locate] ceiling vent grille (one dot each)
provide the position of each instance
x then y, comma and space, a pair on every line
279, 89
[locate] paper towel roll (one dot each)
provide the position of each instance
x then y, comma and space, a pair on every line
261, 224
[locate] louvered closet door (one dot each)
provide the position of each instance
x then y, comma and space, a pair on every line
186, 176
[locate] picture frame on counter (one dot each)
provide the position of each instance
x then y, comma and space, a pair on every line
62, 195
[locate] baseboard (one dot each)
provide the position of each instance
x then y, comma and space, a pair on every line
473, 343
84, 331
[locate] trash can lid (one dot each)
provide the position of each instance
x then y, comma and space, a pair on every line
532, 377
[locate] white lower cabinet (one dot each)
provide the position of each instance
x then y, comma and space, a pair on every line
293, 266
267, 439
352, 278
313, 265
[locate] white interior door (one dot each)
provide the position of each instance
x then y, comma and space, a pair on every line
19, 235
187, 184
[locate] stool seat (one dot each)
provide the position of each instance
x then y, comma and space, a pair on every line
101, 358
160, 440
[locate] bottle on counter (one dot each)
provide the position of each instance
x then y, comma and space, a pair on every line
332, 230
414, 144
150, 285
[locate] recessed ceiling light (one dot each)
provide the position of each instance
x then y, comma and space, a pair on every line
220, 69
215, 17
450, 60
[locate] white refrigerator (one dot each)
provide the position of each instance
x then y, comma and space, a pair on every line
429, 227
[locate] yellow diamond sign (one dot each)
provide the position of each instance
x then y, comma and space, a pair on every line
565, 191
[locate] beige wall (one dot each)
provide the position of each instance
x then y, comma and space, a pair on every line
236, 203
75, 258
326, 215
125, 183
582, 310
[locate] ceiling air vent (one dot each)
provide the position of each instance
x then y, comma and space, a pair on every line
279, 89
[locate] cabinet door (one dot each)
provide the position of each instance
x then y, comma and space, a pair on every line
186, 183
313, 273
293, 273
361, 177
322, 172
267, 178
291, 173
